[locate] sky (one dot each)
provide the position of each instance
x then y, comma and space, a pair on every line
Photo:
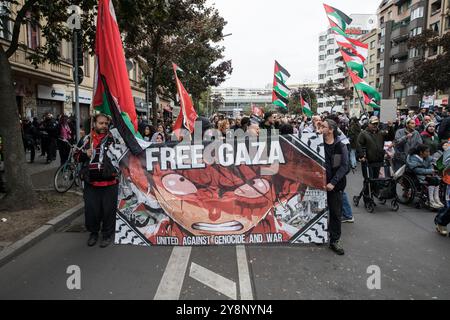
285, 30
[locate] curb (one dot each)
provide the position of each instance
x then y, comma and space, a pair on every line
17, 248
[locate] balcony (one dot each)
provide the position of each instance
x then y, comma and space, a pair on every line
398, 68
400, 32
400, 50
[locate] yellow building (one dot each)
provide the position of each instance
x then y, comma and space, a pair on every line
50, 88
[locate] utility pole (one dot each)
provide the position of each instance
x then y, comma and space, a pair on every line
74, 23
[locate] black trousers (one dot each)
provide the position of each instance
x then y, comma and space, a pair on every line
64, 151
334, 222
100, 208
51, 149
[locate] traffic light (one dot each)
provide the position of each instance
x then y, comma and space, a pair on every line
78, 50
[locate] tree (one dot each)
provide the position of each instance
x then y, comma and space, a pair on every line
54, 12
332, 89
432, 74
182, 31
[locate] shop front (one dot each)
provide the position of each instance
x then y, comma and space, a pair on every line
141, 107
50, 100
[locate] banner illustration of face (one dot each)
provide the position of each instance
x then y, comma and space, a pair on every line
272, 193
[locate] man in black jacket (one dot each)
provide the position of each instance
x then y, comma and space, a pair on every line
337, 167
101, 182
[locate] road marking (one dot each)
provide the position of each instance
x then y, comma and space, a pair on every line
245, 285
172, 280
214, 281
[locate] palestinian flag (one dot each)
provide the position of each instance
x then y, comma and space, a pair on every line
305, 107
371, 102
353, 62
363, 86
187, 117
112, 90
280, 95
358, 48
337, 17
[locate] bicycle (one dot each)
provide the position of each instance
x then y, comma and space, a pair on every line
68, 174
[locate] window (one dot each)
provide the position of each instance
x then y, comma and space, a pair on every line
372, 45
411, 91
330, 52
87, 68
372, 58
417, 13
330, 72
432, 51
415, 32
322, 48
330, 41
435, 27
372, 72
322, 57
33, 39
383, 32
413, 53
381, 63
322, 38
382, 48
321, 76
6, 26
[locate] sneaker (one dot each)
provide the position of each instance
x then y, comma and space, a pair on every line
442, 230
337, 248
93, 238
106, 241
348, 220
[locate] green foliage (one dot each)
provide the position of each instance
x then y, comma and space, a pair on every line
50, 16
182, 31
335, 89
433, 74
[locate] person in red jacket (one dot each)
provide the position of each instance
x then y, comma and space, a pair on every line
101, 182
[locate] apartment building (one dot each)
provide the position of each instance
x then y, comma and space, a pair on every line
399, 20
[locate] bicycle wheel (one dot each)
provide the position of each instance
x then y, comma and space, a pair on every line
65, 178
405, 189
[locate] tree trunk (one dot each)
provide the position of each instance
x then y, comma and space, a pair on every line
19, 187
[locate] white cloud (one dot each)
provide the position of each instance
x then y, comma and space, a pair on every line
285, 30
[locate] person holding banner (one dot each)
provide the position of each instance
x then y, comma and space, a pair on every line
337, 166
101, 182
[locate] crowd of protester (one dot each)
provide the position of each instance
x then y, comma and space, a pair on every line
417, 141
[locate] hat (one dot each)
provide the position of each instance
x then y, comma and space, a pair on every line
374, 120
430, 124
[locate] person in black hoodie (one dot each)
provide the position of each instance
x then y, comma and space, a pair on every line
337, 167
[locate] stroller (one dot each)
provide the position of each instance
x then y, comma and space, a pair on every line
381, 188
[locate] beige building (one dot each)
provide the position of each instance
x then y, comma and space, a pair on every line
50, 88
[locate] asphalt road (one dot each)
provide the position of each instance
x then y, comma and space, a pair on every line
412, 259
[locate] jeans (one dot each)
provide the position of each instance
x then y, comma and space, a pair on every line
353, 158
346, 208
335, 207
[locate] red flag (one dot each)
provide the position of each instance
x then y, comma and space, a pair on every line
111, 65
187, 117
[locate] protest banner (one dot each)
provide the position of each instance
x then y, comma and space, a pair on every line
239, 191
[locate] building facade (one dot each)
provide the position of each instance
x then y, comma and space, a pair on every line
50, 87
241, 99
399, 20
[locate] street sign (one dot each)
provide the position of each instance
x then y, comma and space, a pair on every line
74, 21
